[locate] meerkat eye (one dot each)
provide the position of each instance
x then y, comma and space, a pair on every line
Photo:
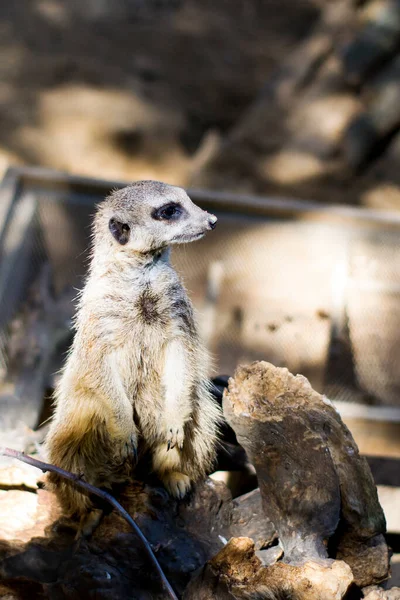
168, 212
120, 231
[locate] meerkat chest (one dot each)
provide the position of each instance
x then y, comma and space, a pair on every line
169, 312
161, 304
140, 315
151, 308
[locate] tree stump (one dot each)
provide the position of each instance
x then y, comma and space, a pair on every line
315, 487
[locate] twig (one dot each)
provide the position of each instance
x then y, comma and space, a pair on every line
97, 492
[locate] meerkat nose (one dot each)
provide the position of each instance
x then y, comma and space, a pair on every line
212, 221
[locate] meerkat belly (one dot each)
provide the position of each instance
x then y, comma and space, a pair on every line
153, 359
139, 359
139, 362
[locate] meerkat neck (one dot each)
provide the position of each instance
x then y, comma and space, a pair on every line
128, 261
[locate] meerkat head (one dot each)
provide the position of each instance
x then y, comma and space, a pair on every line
148, 216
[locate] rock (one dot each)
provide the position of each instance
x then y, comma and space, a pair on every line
377, 593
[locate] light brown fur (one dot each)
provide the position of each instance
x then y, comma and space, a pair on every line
137, 368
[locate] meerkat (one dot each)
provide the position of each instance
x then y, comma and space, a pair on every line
137, 369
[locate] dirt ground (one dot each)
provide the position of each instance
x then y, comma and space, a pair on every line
273, 97
284, 98
129, 89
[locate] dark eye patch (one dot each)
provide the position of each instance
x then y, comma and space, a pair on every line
120, 231
168, 212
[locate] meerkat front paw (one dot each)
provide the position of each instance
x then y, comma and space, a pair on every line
177, 484
173, 433
175, 438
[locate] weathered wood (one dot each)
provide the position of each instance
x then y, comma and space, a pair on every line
315, 486
235, 565
183, 536
37, 546
289, 460
236, 573
394, 580
245, 520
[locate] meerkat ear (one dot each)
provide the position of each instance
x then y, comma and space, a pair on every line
120, 231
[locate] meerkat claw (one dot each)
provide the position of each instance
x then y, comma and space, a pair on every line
175, 438
132, 451
128, 449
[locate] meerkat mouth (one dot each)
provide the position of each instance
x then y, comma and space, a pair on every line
189, 237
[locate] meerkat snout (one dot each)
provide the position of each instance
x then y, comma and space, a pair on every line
212, 221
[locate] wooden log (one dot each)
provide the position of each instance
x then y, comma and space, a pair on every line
38, 547
236, 573
246, 520
235, 565
315, 486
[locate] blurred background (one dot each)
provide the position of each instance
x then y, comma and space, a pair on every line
286, 100
274, 97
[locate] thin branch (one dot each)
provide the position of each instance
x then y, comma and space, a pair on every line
101, 494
